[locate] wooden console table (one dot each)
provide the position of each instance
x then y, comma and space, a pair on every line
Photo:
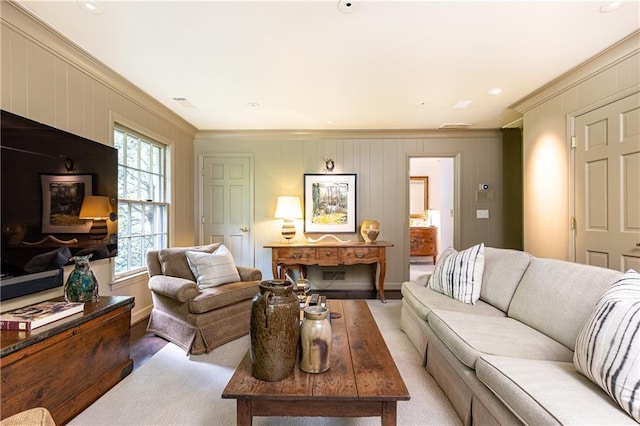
331, 254
69, 365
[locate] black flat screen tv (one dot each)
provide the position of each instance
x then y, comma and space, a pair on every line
46, 175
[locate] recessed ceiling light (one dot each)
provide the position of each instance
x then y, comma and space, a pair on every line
183, 101
495, 91
90, 6
610, 6
462, 104
347, 6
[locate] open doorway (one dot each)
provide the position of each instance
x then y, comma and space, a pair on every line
431, 221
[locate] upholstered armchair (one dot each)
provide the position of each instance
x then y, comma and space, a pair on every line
192, 314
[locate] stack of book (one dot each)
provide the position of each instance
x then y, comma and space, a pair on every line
34, 316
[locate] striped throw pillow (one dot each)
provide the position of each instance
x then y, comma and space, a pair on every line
213, 269
459, 274
608, 346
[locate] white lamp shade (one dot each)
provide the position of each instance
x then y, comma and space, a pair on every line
95, 207
288, 208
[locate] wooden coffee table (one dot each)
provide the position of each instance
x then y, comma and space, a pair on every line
363, 380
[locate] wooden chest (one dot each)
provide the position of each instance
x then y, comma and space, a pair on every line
67, 367
424, 241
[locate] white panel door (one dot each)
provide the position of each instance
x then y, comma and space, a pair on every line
227, 206
607, 185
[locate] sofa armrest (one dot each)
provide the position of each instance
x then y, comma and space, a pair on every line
179, 289
423, 279
248, 273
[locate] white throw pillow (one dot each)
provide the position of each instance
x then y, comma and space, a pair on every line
608, 346
213, 269
459, 274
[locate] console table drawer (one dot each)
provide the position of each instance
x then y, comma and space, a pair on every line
327, 254
359, 254
295, 254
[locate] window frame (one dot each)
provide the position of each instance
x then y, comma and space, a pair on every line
164, 192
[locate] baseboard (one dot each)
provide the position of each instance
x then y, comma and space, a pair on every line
141, 314
357, 294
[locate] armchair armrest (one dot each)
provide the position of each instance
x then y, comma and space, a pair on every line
248, 273
179, 289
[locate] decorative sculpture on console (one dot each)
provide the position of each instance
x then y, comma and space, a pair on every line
324, 237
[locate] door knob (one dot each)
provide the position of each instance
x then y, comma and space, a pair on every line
637, 244
244, 229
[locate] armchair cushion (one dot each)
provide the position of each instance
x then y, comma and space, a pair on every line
213, 269
173, 261
213, 298
38, 416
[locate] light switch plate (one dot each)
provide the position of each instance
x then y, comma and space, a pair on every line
482, 214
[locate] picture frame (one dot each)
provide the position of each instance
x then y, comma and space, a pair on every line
330, 203
418, 196
62, 197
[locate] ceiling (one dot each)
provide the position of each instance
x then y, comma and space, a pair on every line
244, 65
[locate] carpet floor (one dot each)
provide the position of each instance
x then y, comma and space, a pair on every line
174, 389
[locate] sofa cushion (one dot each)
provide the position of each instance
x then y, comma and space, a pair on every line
459, 274
217, 297
422, 300
556, 297
548, 392
173, 261
608, 346
213, 269
503, 270
469, 336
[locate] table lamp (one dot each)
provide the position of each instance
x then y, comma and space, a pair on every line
97, 208
288, 208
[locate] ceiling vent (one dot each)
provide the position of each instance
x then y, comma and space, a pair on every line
454, 126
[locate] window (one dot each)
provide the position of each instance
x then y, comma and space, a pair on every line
142, 203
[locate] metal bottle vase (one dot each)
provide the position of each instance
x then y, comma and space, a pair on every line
275, 331
315, 340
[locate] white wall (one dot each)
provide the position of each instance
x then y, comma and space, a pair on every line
48, 79
380, 160
548, 194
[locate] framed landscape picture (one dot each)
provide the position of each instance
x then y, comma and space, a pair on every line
330, 203
62, 197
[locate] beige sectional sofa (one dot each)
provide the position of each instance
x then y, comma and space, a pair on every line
508, 359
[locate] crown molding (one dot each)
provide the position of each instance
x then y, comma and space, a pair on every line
608, 58
255, 135
22, 21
